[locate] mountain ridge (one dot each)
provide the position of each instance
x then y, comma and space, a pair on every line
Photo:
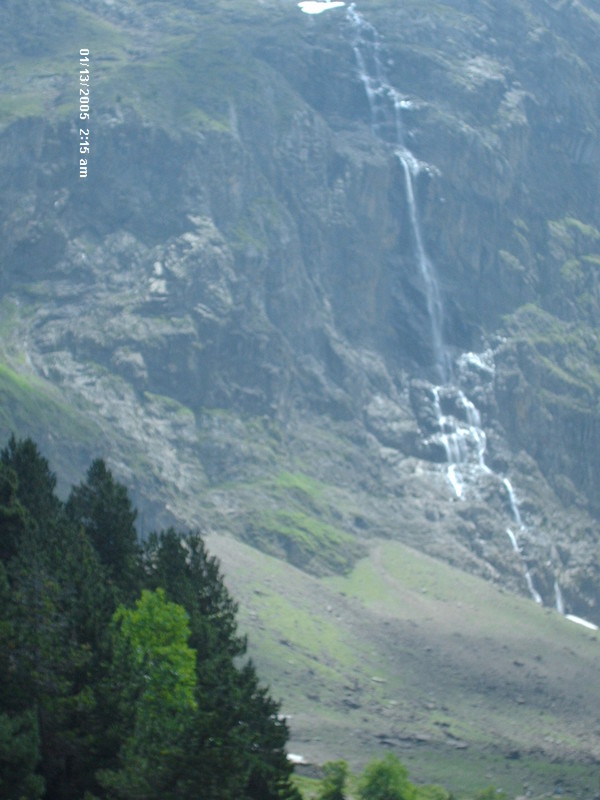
244, 264
230, 306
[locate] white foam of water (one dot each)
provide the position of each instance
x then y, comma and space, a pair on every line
317, 7
386, 104
481, 448
513, 503
471, 412
453, 445
432, 292
464, 444
455, 481
513, 540
532, 590
481, 361
413, 163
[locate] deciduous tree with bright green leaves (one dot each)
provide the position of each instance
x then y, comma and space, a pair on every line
386, 779
335, 774
235, 743
154, 672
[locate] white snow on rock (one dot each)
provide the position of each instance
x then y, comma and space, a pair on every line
579, 621
317, 7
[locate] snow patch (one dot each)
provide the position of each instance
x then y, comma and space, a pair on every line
580, 621
297, 759
317, 7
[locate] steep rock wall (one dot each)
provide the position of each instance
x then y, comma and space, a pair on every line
242, 250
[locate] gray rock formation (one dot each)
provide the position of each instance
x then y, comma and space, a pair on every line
233, 297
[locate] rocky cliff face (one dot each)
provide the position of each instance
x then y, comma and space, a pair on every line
235, 296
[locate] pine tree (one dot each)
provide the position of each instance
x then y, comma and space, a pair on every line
103, 508
13, 521
182, 566
236, 731
270, 770
35, 647
19, 756
83, 696
57, 608
35, 481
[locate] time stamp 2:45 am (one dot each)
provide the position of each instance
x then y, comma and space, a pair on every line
84, 111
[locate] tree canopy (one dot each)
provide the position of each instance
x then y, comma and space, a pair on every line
335, 774
386, 779
122, 673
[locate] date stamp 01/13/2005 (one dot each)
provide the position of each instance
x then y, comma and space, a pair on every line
84, 112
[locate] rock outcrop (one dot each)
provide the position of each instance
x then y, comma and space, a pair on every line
232, 292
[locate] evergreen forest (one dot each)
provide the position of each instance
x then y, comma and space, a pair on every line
122, 674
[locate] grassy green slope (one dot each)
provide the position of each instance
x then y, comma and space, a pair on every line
467, 684
132, 64
30, 406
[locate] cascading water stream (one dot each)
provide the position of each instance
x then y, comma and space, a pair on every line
560, 603
532, 590
385, 105
513, 540
461, 436
460, 433
514, 507
434, 300
459, 428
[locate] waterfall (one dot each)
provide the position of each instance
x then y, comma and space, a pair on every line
464, 440
461, 436
380, 93
560, 607
560, 603
458, 424
460, 432
532, 590
513, 540
455, 481
385, 104
514, 506
432, 292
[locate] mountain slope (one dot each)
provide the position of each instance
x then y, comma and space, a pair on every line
469, 685
330, 279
